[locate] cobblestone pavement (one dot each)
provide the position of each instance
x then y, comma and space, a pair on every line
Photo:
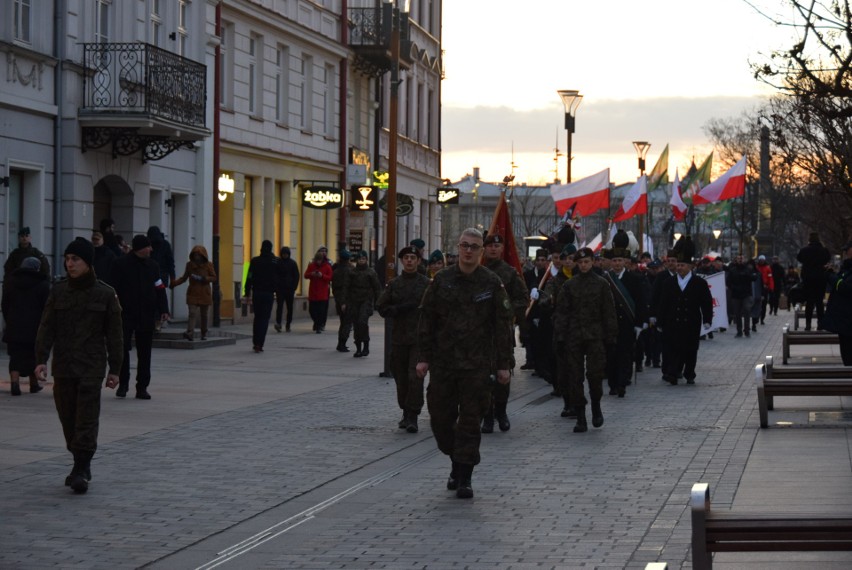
292, 459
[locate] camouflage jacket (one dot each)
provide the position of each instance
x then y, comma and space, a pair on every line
361, 285
549, 295
466, 321
81, 323
585, 310
515, 287
400, 301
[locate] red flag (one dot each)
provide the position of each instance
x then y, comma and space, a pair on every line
635, 201
589, 194
729, 185
501, 224
676, 202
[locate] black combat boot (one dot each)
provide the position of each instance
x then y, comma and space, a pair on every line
366, 350
341, 346
357, 350
502, 417
78, 477
411, 426
597, 414
453, 481
465, 488
488, 421
581, 426
403, 423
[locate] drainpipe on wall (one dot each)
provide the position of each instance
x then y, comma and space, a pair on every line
58, 91
217, 292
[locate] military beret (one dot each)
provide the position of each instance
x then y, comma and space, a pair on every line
418, 243
363, 254
655, 264
583, 253
406, 251
436, 256
493, 238
569, 249
24, 231
344, 254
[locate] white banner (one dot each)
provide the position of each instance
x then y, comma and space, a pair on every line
720, 300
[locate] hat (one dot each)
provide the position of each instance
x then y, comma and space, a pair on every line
813, 237
418, 243
82, 248
542, 252
620, 245
140, 241
24, 231
406, 251
761, 258
583, 253
569, 249
655, 264
31, 264
493, 238
363, 254
436, 256
322, 248
344, 254
684, 249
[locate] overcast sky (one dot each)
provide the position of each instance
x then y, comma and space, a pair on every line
656, 70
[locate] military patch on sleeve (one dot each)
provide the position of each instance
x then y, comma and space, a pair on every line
507, 304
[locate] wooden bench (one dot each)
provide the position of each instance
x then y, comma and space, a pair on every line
734, 531
798, 381
790, 338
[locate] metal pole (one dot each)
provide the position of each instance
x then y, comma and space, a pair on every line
568, 156
390, 228
217, 292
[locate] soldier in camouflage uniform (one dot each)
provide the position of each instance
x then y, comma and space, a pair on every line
400, 301
465, 335
520, 299
585, 318
361, 289
24, 250
81, 323
338, 280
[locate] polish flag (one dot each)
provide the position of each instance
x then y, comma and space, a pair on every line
677, 204
596, 244
635, 201
729, 185
591, 194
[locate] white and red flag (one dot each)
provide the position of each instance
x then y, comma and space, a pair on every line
590, 194
596, 244
729, 185
635, 201
677, 203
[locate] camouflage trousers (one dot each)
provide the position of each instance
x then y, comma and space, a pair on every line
409, 388
359, 314
586, 359
457, 400
78, 403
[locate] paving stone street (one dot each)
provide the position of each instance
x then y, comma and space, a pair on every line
292, 458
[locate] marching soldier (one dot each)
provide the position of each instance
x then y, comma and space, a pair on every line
360, 291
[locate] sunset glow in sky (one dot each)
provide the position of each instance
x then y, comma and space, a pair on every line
656, 70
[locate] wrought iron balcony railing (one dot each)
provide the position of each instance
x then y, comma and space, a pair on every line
370, 27
142, 79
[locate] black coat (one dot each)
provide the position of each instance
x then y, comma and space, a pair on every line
740, 279
140, 291
682, 313
262, 274
838, 313
25, 293
814, 258
288, 274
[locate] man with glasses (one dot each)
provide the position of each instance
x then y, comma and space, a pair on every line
465, 332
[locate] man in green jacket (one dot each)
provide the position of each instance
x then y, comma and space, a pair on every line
81, 324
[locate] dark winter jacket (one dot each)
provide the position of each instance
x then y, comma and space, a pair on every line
104, 258
740, 279
814, 258
288, 274
25, 293
140, 290
262, 274
838, 313
161, 252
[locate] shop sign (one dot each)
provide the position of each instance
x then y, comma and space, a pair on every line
363, 198
404, 204
448, 195
322, 197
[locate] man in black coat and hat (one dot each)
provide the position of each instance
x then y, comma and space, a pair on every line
814, 258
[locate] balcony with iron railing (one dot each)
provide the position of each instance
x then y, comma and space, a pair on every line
370, 38
141, 97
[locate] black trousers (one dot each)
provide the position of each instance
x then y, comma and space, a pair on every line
846, 349
284, 297
144, 341
679, 361
811, 303
262, 301
319, 313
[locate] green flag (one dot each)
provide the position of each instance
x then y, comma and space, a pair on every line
696, 179
659, 176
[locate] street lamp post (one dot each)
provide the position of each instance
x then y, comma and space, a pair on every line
641, 151
571, 99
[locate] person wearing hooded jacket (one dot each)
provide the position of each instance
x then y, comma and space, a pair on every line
24, 296
201, 274
286, 285
261, 282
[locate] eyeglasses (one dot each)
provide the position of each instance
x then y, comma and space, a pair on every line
470, 246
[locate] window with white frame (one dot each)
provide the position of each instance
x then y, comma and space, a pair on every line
282, 84
102, 21
430, 134
255, 84
226, 66
328, 100
182, 30
306, 92
22, 20
156, 24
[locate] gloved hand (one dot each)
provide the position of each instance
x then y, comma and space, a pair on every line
553, 271
644, 326
534, 293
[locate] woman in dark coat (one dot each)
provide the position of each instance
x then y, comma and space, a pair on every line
24, 296
838, 314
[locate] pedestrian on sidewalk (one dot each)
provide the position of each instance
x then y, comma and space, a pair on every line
465, 332
142, 294
201, 275
319, 274
259, 291
338, 285
686, 313
81, 325
740, 280
838, 314
361, 291
400, 302
814, 258
286, 285
586, 324
25, 293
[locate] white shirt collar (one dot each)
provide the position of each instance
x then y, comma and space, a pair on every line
682, 281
